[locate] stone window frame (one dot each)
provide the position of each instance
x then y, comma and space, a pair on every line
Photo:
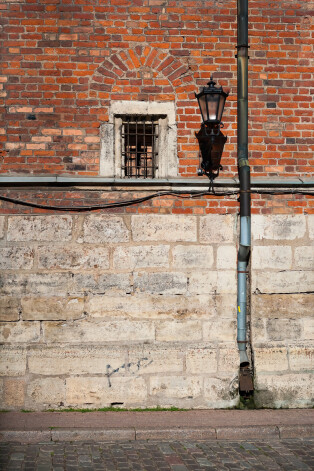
111, 138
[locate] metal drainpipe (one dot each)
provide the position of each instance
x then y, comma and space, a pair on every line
245, 383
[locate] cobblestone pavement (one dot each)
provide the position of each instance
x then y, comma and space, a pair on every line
266, 455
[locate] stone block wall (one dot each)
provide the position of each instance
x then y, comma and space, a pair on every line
140, 310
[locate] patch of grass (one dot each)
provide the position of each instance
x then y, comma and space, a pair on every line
118, 409
26, 411
3, 411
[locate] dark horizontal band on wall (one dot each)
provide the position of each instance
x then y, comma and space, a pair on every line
149, 184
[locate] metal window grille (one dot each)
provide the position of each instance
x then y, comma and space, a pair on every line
140, 146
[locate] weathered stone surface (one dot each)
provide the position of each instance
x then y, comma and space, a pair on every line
9, 309
169, 228
160, 283
192, 256
154, 359
96, 391
226, 257
39, 228
144, 256
19, 332
281, 329
310, 221
106, 283
220, 392
228, 360
102, 228
283, 282
178, 331
220, 330
45, 392
213, 282
14, 392
35, 283
91, 331
274, 256
259, 335
308, 328
2, 222
55, 308
201, 360
304, 257
175, 387
77, 360
217, 228
16, 258
270, 359
278, 226
12, 361
79, 257
285, 390
301, 358
284, 305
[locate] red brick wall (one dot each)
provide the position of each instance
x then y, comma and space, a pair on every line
63, 62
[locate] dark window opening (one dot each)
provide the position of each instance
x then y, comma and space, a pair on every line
140, 146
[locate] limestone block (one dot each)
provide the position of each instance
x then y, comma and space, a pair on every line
16, 258
226, 281
220, 330
220, 392
270, 359
107, 283
278, 226
35, 283
225, 305
178, 331
226, 257
144, 256
160, 283
310, 221
275, 256
55, 308
100, 228
285, 390
19, 332
304, 257
292, 281
213, 282
169, 228
228, 360
301, 358
14, 392
79, 257
201, 360
103, 392
259, 330
153, 306
45, 392
176, 387
283, 329
284, 305
9, 308
76, 360
12, 361
153, 359
39, 228
308, 328
91, 331
192, 256
2, 222
217, 228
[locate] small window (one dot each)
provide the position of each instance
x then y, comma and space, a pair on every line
139, 141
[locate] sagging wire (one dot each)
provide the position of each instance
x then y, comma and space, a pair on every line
177, 194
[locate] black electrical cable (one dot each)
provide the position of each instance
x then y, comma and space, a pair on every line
178, 194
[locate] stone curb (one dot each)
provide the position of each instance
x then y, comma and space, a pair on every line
132, 434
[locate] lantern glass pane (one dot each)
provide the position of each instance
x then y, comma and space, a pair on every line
212, 103
202, 105
222, 100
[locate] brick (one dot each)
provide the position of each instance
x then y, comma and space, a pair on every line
101, 229
144, 256
172, 228
278, 227
39, 228
192, 256
217, 229
54, 257
275, 256
178, 331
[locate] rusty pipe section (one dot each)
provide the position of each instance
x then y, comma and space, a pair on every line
245, 180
